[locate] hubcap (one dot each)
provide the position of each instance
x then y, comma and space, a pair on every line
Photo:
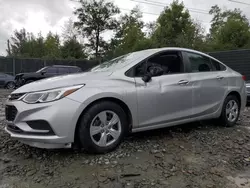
232, 110
105, 128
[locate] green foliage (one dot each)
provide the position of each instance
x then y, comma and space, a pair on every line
95, 17
24, 44
174, 27
229, 29
72, 49
52, 46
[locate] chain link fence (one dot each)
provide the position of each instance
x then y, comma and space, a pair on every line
14, 66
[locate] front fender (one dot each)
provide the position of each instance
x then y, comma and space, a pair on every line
88, 95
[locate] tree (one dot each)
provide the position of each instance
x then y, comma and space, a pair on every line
17, 44
230, 29
174, 27
52, 46
94, 18
69, 31
72, 49
129, 35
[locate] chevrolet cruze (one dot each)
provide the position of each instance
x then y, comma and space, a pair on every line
138, 91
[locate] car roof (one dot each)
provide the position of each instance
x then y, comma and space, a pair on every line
174, 48
154, 50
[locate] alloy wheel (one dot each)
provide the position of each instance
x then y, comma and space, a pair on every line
232, 110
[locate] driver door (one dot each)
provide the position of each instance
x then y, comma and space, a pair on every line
166, 98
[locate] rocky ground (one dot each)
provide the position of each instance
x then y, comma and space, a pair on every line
190, 156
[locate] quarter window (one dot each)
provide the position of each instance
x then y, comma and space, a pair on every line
218, 66
199, 63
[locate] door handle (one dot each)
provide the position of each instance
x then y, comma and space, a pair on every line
183, 82
219, 77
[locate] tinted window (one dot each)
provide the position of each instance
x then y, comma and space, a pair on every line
199, 63
218, 66
63, 70
74, 69
51, 70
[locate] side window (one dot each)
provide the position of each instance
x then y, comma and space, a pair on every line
218, 66
169, 62
62, 70
74, 69
140, 69
199, 63
51, 70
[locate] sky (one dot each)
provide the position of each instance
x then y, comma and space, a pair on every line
50, 15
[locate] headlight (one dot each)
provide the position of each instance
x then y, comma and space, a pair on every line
49, 95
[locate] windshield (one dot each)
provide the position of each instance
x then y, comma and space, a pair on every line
42, 69
117, 63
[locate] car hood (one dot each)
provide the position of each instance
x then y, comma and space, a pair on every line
26, 74
62, 81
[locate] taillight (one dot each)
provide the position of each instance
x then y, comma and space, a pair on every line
244, 77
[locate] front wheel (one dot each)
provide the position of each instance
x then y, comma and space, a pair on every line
230, 111
10, 85
102, 128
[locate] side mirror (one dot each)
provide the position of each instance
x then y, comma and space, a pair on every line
146, 78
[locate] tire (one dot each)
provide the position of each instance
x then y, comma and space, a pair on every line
225, 113
10, 85
96, 120
29, 81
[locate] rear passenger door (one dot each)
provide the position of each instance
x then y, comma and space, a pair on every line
208, 84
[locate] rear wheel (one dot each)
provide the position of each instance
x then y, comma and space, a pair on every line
102, 128
230, 111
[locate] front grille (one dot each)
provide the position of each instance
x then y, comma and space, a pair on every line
10, 113
15, 96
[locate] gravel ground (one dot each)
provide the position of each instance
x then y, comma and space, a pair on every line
191, 155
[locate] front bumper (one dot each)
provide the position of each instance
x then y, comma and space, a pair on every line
57, 120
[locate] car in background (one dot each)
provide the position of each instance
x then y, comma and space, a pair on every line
248, 93
45, 72
139, 91
7, 81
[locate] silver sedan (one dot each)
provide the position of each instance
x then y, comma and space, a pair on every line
138, 91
